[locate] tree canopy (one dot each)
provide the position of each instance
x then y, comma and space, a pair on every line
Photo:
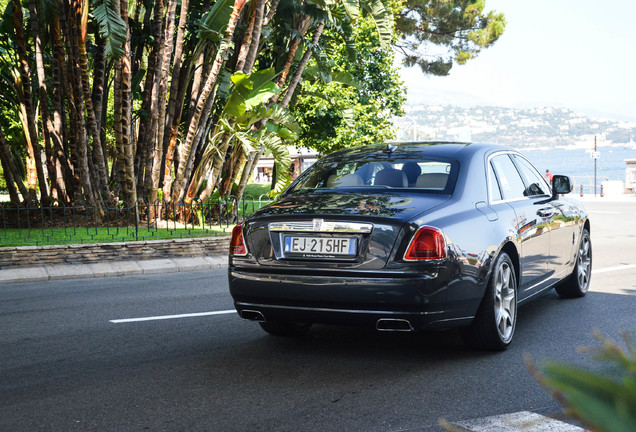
434, 34
113, 101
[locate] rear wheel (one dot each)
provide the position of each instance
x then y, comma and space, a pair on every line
577, 284
285, 328
494, 324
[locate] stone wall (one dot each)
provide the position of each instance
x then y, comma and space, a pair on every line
31, 256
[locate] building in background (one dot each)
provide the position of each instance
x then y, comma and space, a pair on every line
630, 175
301, 160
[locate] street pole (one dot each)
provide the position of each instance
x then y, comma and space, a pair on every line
595, 167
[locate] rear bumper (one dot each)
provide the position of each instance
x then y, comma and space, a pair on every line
354, 299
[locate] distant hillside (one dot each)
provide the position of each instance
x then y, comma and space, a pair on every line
522, 128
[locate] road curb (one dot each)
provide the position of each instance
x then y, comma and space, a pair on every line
111, 268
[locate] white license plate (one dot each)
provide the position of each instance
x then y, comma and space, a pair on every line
321, 246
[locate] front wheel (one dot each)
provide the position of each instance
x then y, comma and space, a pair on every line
494, 324
577, 284
285, 328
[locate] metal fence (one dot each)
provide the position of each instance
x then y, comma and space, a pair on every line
585, 185
80, 223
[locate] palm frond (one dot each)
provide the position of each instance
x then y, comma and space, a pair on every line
112, 28
213, 24
274, 145
383, 19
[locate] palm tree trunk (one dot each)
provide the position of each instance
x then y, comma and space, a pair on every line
143, 156
202, 69
35, 167
169, 184
302, 25
200, 142
288, 63
73, 12
155, 148
11, 173
250, 58
136, 57
252, 161
123, 116
64, 169
48, 131
175, 103
98, 159
100, 88
247, 38
271, 12
301, 66
214, 172
71, 134
236, 163
159, 152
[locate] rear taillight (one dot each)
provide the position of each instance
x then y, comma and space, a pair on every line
427, 244
237, 243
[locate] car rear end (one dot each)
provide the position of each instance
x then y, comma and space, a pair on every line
345, 254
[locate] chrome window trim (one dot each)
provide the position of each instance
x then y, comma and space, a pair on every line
320, 225
501, 201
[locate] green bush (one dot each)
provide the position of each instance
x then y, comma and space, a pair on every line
603, 399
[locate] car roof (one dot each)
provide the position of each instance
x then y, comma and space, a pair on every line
441, 149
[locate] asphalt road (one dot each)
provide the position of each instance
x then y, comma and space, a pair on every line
67, 362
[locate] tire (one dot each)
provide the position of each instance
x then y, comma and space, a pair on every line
496, 319
577, 284
285, 328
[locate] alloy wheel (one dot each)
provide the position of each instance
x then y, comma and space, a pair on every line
505, 301
584, 265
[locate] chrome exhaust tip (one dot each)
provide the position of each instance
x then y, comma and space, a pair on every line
252, 315
394, 325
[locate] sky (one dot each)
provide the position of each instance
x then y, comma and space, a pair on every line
579, 55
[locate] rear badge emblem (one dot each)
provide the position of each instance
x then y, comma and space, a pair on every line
318, 224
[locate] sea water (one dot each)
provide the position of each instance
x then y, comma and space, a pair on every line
578, 164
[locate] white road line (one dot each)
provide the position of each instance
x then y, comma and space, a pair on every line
225, 312
166, 317
616, 268
525, 421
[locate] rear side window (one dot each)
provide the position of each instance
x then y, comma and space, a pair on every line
493, 184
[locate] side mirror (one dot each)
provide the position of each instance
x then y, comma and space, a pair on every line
561, 185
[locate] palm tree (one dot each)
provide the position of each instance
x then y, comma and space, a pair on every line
179, 187
100, 169
175, 102
11, 173
35, 172
123, 112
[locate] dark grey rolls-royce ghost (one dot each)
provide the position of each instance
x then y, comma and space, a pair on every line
411, 236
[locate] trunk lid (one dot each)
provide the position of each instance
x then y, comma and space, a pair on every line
328, 230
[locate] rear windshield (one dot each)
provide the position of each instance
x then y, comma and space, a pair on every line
432, 175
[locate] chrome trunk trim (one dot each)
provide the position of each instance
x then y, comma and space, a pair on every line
320, 225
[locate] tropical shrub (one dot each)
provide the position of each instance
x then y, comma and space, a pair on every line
603, 399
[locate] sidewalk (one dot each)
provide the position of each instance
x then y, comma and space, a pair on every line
111, 268
606, 198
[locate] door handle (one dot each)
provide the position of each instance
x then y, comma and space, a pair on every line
546, 212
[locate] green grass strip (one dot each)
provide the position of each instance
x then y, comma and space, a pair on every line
61, 236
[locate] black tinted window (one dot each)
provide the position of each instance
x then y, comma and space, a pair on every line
380, 172
535, 183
